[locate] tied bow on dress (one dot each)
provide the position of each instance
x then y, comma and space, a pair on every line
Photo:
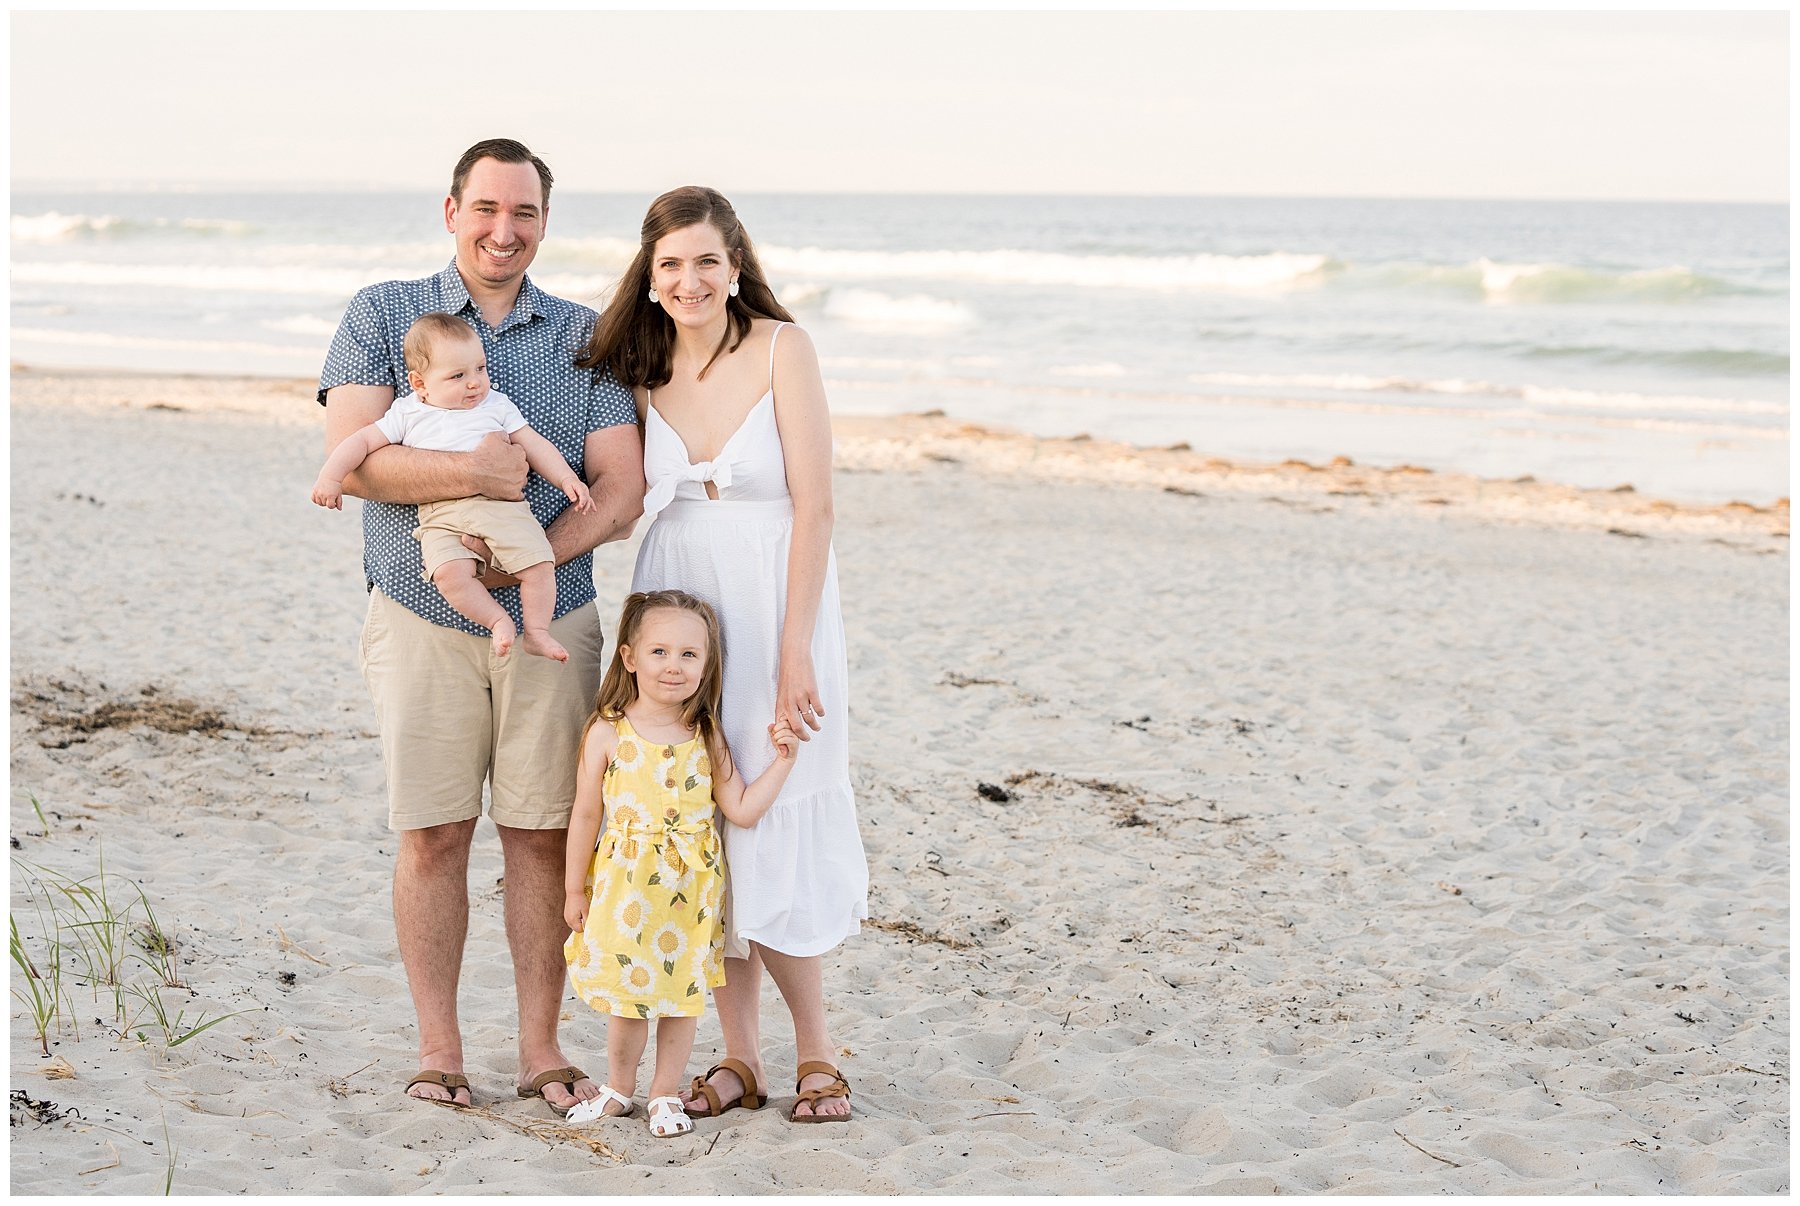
662, 492
682, 848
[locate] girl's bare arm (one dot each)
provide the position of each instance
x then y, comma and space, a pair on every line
744, 805
584, 820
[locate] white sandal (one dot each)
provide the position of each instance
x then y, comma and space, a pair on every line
668, 1119
594, 1109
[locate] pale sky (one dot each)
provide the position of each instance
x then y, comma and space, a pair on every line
1663, 106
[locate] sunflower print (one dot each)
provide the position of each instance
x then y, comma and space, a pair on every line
635, 977
667, 945
630, 915
624, 812
653, 943
628, 756
696, 770
704, 968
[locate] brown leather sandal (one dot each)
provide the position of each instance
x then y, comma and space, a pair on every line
566, 1077
446, 1080
750, 1100
835, 1089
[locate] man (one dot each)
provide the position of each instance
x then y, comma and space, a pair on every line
451, 715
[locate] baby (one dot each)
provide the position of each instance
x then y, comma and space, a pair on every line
451, 409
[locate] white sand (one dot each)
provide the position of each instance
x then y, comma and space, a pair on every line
1371, 832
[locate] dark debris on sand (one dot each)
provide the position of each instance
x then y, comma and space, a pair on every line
25, 1109
1129, 804
59, 705
918, 933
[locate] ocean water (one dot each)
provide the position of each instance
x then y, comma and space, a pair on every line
1593, 343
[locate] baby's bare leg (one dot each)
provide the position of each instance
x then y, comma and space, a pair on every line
456, 581
537, 599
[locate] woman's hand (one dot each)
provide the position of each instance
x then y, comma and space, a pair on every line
797, 696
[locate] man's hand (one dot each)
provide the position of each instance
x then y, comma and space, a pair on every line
491, 578
500, 468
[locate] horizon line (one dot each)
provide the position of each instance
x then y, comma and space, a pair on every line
355, 188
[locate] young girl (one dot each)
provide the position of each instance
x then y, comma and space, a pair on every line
644, 901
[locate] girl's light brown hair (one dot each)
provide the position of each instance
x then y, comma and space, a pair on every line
635, 337
700, 711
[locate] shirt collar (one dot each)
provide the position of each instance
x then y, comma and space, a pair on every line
456, 294
531, 299
530, 303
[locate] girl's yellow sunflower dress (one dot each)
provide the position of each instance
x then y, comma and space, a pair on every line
654, 940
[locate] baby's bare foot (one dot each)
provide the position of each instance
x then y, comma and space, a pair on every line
504, 636
544, 645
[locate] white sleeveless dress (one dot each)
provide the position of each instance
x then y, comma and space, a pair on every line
797, 881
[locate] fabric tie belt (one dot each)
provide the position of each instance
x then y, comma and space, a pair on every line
684, 846
662, 492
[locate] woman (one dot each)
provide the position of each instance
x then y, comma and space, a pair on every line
737, 456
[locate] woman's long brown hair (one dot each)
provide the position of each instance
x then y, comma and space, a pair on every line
701, 710
634, 336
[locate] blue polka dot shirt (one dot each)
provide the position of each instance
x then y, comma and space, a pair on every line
531, 358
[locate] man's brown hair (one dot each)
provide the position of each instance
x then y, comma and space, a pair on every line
503, 150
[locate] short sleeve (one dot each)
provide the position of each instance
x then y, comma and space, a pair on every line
359, 350
394, 423
511, 419
609, 403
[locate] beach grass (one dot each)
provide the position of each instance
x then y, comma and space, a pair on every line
83, 930
171, 1154
41, 997
175, 1031
157, 947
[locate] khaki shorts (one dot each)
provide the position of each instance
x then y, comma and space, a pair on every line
453, 717
511, 532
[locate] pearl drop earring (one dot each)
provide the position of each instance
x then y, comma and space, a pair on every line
653, 294
733, 289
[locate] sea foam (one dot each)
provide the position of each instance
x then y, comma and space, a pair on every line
1546, 283
1008, 267
867, 307
271, 279
1546, 397
50, 228
60, 228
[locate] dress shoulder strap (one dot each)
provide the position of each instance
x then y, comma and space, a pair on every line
773, 336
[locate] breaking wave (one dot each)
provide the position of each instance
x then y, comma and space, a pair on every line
53, 227
1548, 397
